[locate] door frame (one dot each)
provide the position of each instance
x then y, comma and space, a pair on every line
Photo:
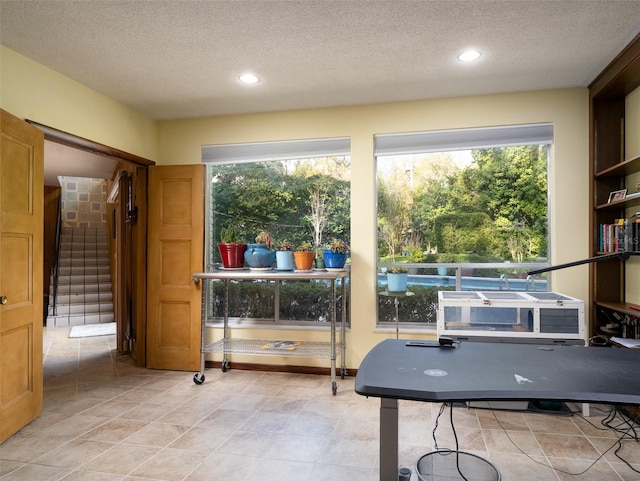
131, 337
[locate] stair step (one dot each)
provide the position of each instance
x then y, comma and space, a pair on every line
76, 309
82, 297
84, 278
83, 288
86, 270
81, 262
79, 320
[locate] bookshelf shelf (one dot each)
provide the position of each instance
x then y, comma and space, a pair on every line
609, 172
623, 168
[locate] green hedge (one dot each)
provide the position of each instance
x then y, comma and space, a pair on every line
421, 307
299, 300
311, 301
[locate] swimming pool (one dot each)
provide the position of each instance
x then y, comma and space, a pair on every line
470, 283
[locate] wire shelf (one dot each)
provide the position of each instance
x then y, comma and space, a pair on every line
262, 347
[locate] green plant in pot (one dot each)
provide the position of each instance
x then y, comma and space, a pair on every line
319, 259
284, 256
397, 278
260, 255
304, 257
231, 249
335, 256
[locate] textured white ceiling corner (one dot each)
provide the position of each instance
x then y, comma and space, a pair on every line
180, 58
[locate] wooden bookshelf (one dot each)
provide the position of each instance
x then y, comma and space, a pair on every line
609, 169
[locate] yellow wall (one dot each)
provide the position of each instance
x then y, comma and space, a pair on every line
180, 141
29, 90
32, 91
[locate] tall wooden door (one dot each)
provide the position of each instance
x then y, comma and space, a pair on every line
21, 253
175, 252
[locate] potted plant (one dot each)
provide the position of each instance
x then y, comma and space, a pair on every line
260, 255
304, 257
319, 260
284, 256
231, 250
335, 256
397, 278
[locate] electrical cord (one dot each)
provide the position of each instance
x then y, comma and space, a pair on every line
605, 422
455, 436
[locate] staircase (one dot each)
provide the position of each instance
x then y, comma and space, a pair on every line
84, 279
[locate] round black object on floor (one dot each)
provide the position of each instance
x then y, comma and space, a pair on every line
448, 465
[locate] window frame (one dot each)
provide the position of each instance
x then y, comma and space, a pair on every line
253, 152
444, 141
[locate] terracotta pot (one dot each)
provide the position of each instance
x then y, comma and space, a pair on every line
304, 260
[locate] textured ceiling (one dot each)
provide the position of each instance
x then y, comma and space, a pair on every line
180, 58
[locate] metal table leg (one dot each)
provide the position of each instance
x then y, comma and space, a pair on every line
388, 439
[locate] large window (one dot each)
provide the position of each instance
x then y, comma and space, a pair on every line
461, 210
296, 194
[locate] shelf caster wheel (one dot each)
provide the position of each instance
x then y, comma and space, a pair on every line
225, 366
198, 378
334, 388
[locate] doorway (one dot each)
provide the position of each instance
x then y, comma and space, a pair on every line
126, 217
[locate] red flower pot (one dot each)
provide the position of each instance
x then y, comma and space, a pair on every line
232, 255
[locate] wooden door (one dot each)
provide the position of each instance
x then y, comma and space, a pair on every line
21, 253
175, 252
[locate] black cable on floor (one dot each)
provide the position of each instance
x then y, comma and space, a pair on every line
618, 443
455, 436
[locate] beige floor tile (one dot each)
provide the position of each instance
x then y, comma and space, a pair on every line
157, 434
499, 441
27, 448
170, 465
296, 448
145, 412
121, 459
625, 472
224, 466
73, 454
564, 446
332, 472
90, 476
581, 470
7, 466
115, 430
518, 467
248, 443
36, 472
204, 440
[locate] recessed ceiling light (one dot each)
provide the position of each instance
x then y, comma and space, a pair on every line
469, 56
249, 78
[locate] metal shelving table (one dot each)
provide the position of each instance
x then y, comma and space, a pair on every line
227, 345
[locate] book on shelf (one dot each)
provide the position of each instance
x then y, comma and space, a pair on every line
632, 196
282, 345
631, 343
623, 235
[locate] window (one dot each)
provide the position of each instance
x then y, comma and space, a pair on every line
462, 210
296, 191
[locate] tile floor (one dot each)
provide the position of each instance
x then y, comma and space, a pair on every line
105, 420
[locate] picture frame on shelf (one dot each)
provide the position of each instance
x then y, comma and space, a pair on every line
617, 195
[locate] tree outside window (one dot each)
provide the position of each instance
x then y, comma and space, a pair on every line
489, 207
301, 200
